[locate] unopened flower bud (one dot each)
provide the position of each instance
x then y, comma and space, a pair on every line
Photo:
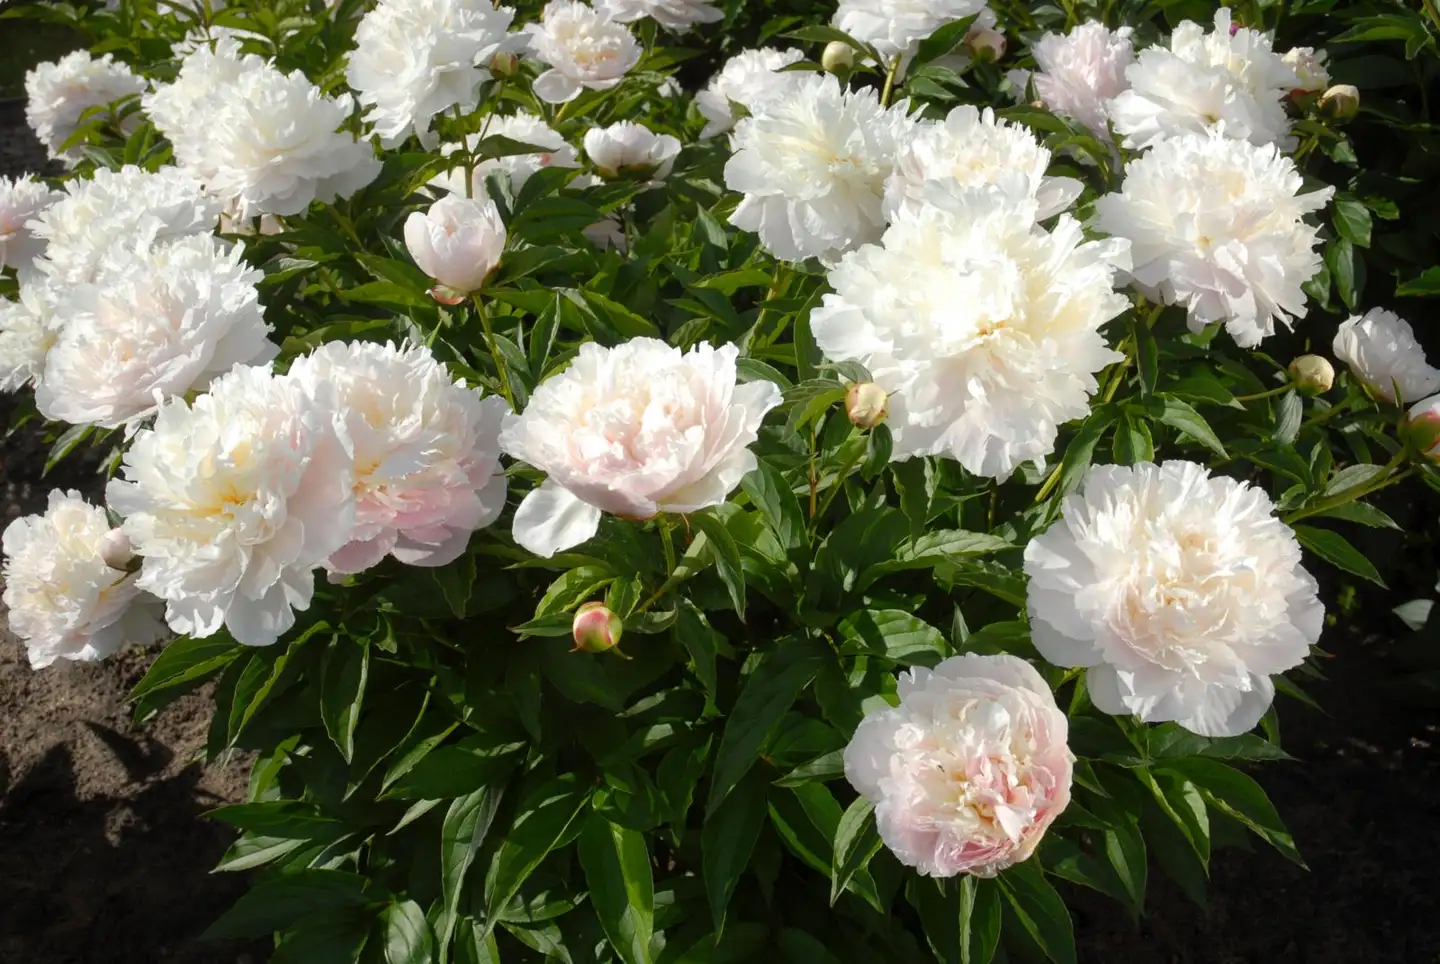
458, 242
504, 64
596, 629
1341, 102
1422, 427
866, 404
986, 44
1312, 374
838, 56
115, 550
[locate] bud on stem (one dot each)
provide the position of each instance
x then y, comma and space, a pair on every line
1312, 375
866, 404
595, 628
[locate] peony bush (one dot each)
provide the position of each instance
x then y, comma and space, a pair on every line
675, 481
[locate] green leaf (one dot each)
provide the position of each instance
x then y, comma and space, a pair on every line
1336, 550
894, 634
960, 917
279, 902
917, 482
1426, 285
540, 824
777, 502
1360, 512
66, 444
729, 282
1183, 418
727, 556
1076, 460
1169, 740
979, 920
1147, 354
1352, 220
407, 935
728, 839
461, 768
777, 679
342, 691
856, 841
187, 660
1240, 797
622, 886
942, 42
281, 819
1039, 910
701, 641
457, 582
1289, 414
467, 822
327, 937
1348, 271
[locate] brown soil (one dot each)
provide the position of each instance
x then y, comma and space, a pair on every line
105, 857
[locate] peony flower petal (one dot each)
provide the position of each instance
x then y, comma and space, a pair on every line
551, 519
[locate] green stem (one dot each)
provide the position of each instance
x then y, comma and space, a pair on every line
494, 347
469, 155
1118, 374
668, 547
889, 89
1259, 395
1356, 492
840, 478
1328, 414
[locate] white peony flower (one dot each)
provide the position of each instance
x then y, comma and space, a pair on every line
233, 500
970, 149
583, 47
1220, 81
523, 127
58, 93
156, 325
970, 770
126, 210
674, 15
628, 147
458, 241
28, 330
266, 141
416, 58
812, 168
64, 601
1217, 225
21, 199
1382, 352
427, 457
1180, 591
896, 27
1080, 72
634, 430
1309, 69
984, 328
751, 78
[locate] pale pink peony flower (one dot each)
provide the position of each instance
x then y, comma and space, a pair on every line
458, 241
21, 199
634, 430
59, 93
427, 455
1082, 70
585, 47
1382, 351
969, 771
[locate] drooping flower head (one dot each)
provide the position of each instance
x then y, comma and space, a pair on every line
812, 167
634, 430
1180, 591
585, 48
1382, 351
969, 771
631, 148
984, 328
155, 325
58, 93
29, 328
523, 127
1080, 72
233, 500
266, 141
414, 59
896, 27
677, 16
751, 78
427, 457
21, 199
126, 210
1228, 80
1217, 225
65, 602
971, 148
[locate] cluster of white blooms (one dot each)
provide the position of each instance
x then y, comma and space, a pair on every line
1179, 590
896, 27
59, 93
271, 142
1217, 225
586, 48
1227, 80
751, 79
416, 58
983, 326
28, 329
21, 199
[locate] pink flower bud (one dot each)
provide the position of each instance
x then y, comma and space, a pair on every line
504, 63
458, 242
115, 550
596, 629
866, 404
1422, 428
